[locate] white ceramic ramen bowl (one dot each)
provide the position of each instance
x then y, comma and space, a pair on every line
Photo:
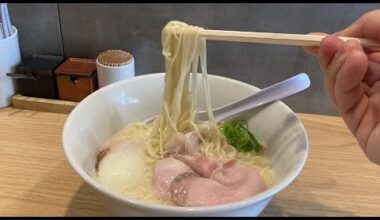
110, 108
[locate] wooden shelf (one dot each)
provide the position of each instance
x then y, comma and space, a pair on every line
43, 105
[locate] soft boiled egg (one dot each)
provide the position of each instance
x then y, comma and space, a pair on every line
123, 165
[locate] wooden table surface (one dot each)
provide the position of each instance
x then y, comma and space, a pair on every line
36, 180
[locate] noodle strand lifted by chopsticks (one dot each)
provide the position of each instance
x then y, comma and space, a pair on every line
184, 49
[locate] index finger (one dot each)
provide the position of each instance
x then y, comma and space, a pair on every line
367, 26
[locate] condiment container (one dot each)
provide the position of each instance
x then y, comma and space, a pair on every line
76, 79
35, 76
113, 66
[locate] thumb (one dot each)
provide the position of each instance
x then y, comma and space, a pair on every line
314, 50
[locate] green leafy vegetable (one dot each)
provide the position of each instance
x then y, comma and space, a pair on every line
239, 136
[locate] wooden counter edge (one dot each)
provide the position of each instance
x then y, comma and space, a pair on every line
42, 104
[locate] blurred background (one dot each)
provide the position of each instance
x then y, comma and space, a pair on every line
85, 30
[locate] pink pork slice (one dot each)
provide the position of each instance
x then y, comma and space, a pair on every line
183, 144
192, 143
245, 180
165, 171
188, 189
176, 145
229, 183
199, 164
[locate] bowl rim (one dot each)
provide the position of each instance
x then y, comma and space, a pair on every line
260, 197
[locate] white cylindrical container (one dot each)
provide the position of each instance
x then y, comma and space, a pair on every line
10, 57
108, 74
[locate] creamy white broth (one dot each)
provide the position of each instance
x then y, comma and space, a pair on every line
129, 169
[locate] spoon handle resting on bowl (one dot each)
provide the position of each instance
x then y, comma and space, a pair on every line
272, 93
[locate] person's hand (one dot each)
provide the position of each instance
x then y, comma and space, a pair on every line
352, 80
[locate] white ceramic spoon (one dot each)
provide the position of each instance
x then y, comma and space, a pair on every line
272, 93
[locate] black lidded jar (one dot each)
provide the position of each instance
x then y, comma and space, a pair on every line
35, 76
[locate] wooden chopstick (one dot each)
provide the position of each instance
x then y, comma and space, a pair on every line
279, 38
